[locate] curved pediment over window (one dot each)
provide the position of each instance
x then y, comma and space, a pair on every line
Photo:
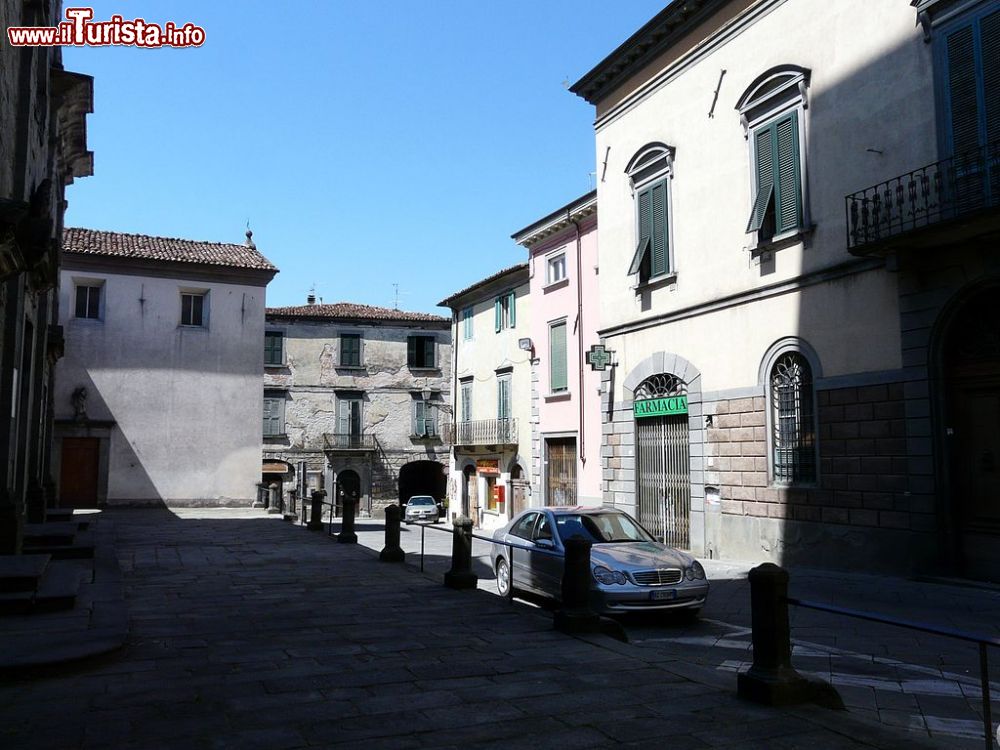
649, 162
774, 89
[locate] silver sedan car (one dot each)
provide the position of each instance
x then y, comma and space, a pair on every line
423, 508
630, 570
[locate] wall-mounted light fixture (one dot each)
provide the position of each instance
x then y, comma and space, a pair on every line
525, 344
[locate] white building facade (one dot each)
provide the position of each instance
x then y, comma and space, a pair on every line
779, 389
492, 382
158, 397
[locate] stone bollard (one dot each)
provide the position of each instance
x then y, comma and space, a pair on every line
392, 552
772, 680
347, 535
574, 614
461, 576
316, 512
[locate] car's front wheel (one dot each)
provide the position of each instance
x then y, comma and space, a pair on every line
503, 577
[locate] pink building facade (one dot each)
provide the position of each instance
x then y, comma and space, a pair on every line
565, 393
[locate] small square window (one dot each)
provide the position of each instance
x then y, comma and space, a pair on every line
505, 311
555, 268
88, 301
193, 309
274, 413
350, 350
420, 351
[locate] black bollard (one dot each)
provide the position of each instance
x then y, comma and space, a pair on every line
772, 680
392, 552
316, 512
461, 576
347, 535
574, 614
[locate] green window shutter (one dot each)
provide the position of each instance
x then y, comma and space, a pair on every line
990, 49
658, 229
787, 183
418, 417
764, 156
497, 315
430, 419
267, 416
963, 87
557, 358
411, 351
512, 310
343, 417
429, 352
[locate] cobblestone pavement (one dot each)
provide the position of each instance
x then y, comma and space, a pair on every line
248, 632
925, 683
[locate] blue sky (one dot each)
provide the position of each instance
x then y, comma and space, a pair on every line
368, 143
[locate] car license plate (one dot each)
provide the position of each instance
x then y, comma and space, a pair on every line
661, 595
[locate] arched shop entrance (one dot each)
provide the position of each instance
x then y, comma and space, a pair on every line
422, 478
971, 369
663, 466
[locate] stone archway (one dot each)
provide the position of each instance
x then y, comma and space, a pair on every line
422, 478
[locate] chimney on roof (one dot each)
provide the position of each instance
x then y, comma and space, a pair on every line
311, 299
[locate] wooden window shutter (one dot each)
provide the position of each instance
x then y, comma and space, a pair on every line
658, 229
512, 310
418, 417
990, 67
557, 358
787, 183
411, 351
962, 91
764, 156
644, 233
497, 314
343, 417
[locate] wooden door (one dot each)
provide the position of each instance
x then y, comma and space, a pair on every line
78, 473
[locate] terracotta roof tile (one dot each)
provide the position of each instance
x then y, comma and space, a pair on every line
353, 311
144, 247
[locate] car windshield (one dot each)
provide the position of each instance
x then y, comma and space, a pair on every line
601, 527
421, 501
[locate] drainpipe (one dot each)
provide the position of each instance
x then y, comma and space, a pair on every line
579, 334
455, 393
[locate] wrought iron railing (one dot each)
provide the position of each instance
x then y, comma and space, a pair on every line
349, 442
483, 432
943, 191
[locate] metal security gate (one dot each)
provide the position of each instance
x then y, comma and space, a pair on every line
663, 466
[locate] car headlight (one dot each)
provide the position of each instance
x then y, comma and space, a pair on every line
694, 572
608, 577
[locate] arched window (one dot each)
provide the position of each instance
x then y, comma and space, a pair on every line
649, 173
772, 114
792, 420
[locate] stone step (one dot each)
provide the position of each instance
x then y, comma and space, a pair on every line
58, 588
83, 518
21, 572
50, 533
80, 547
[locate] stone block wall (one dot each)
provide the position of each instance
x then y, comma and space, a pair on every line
875, 468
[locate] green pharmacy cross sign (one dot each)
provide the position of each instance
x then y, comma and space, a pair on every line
598, 357
660, 407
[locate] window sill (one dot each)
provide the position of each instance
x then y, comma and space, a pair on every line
781, 241
271, 366
425, 438
282, 436
351, 368
183, 327
424, 370
86, 321
655, 283
555, 285
558, 396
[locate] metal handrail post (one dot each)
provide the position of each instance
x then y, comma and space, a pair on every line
984, 679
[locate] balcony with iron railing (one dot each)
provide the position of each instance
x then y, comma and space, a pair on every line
949, 200
336, 441
483, 432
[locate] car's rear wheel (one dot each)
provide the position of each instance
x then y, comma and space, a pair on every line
503, 577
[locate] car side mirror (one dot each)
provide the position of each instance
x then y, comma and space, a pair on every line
545, 543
